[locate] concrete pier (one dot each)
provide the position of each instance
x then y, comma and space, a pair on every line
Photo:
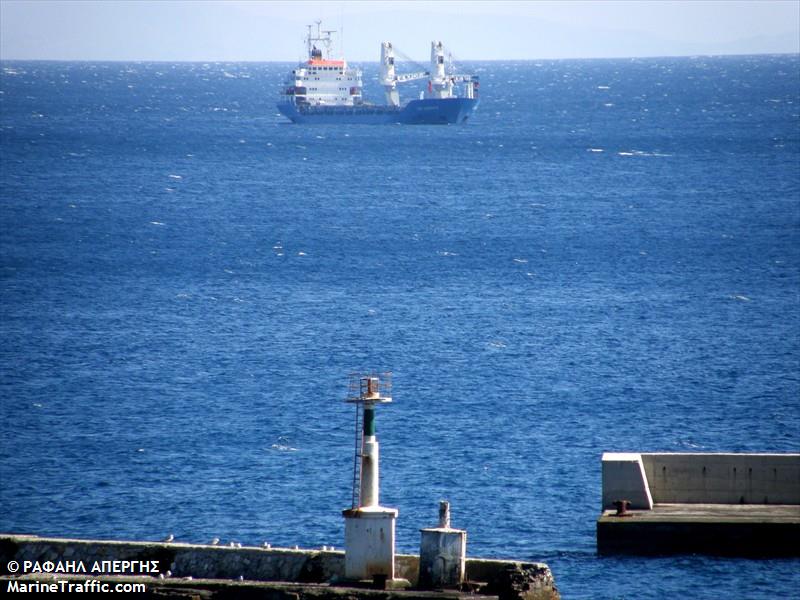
207, 571
724, 504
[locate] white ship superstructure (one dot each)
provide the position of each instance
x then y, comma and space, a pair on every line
322, 81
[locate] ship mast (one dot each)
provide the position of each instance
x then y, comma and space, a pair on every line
322, 35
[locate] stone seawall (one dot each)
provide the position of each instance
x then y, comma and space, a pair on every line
508, 580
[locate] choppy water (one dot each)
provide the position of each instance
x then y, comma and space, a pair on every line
607, 257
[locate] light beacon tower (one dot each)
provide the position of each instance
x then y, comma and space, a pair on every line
369, 530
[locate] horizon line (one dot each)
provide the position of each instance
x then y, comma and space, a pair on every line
488, 60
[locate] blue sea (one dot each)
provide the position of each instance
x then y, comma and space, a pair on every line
606, 257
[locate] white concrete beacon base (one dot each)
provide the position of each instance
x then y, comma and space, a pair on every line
369, 537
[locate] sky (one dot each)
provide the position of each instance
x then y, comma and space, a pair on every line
234, 30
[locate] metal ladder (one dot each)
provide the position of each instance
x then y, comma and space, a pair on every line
359, 439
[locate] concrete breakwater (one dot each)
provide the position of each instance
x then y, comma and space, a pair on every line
368, 566
733, 504
217, 571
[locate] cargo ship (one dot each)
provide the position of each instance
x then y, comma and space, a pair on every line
322, 90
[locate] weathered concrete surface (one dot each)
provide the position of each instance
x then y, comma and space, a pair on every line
723, 478
220, 589
369, 534
213, 562
522, 581
720, 529
442, 557
309, 568
704, 478
624, 479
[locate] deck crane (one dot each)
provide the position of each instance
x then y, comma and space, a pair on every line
443, 80
390, 79
441, 83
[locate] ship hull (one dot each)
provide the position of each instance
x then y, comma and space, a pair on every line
427, 111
